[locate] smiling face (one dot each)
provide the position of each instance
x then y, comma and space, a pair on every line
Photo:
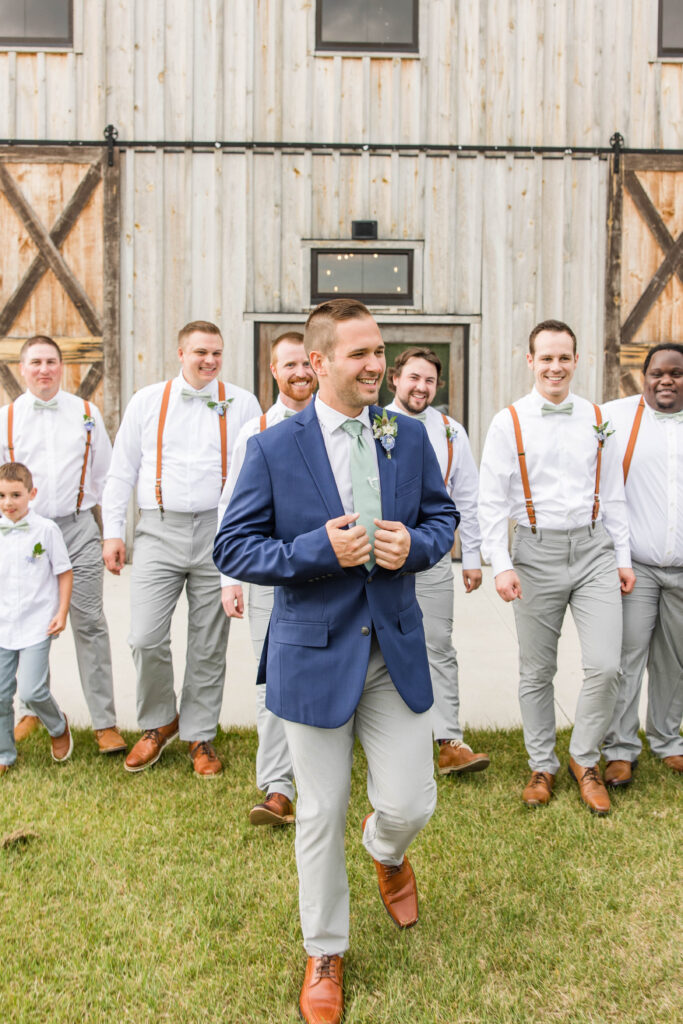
553, 363
14, 499
201, 358
292, 370
663, 381
415, 385
351, 375
41, 368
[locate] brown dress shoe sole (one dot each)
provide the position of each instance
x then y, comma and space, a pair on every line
148, 764
477, 765
260, 815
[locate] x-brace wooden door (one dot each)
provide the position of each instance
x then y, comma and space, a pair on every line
644, 288
59, 267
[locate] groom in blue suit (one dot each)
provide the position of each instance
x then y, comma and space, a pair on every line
339, 511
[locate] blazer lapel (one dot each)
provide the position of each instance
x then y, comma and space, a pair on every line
387, 472
312, 447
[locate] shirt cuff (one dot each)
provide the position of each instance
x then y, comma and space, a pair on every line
113, 529
623, 557
501, 562
228, 581
471, 560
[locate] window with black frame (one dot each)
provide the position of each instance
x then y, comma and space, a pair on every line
367, 25
382, 277
43, 23
670, 37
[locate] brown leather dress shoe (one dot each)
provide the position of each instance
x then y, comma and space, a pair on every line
539, 789
674, 762
207, 763
276, 809
4, 768
110, 741
322, 996
618, 773
398, 889
591, 787
456, 758
150, 747
25, 726
62, 745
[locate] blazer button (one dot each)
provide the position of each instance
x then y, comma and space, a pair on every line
365, 630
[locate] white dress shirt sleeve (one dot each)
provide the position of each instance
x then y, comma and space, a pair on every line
498, 465
101, 455
237, 461
463, 487
123, 470
613, 502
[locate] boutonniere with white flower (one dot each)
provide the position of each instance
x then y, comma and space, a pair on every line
385, 430
451, 433
220, 407
88, 422
38, 552
602, 433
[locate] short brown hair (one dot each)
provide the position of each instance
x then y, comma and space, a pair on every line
414, 352
18, 473
205, 326
39, 339
557, 326
295, 336
320, 330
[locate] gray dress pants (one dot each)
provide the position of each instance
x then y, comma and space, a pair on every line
169, 554
88, 624
274, 772
653, 635
560, 568
434, 591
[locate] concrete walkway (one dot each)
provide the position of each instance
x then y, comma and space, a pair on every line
484, 637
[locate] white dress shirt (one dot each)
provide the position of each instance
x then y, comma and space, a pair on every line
51, 442
191, 454
463, 478
654, 487
338, 447
29, 595
561, 453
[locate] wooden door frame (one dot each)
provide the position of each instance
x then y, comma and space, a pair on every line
48, 240
622, 176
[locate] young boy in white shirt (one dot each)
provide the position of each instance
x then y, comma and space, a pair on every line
34, 603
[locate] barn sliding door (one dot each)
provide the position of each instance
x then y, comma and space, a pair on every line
59, 224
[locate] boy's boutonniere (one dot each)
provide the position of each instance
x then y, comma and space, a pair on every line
602, 433
88, 422
220, 407
385, 430
451, 433
38, 552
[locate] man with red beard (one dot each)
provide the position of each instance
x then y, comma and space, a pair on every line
296, 383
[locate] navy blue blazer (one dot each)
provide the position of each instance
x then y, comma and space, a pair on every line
316, 653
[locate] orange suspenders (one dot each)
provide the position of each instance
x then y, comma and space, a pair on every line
449, 445
531, 512
262, 423
88, 447
634, 434
222, 425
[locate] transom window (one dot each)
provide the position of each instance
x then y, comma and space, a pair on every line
44, 23
367, 25
382, 277
670, 42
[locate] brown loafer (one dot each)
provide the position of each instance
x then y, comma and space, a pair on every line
4, 768
25, 726
150, 747
591, 787
398, 889
456, 758
207, 763
322, 995
110, 741
618, 773
674, 762
276, 809
63, 745
539, 789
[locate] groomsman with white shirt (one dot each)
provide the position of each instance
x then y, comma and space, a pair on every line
414, 379
649, 438
63, 441
175, 443
296, 383
550, 464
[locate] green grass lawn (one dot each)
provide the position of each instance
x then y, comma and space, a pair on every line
151, 898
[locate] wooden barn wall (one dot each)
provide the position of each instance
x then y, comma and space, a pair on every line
551, 72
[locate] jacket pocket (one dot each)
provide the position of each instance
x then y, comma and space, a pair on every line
298, 633
410, 618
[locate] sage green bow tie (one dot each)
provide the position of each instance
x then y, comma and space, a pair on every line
39, 404
547, 409
365, 483
188, 394
288, 413
421, 416
23, 525
678, 416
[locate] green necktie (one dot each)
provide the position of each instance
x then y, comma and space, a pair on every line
678, 416
23, 525
547, 409
365, 482
187, 395
38, 403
